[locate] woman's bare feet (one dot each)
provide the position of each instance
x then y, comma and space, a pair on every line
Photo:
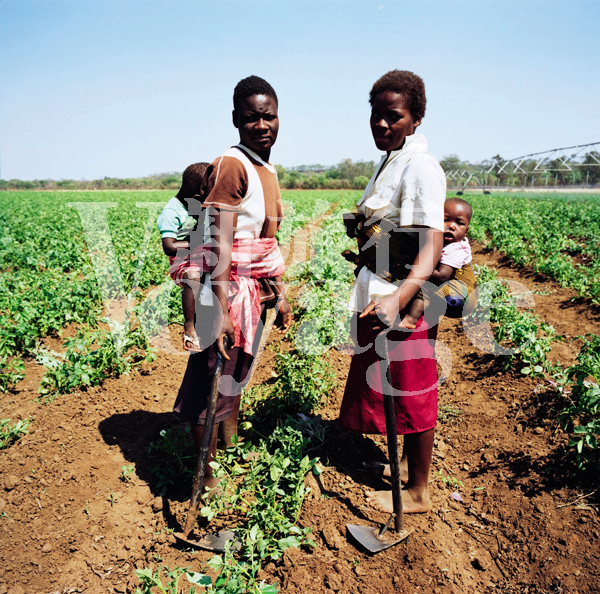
411, 502
381, 469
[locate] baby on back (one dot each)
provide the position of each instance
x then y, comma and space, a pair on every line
455, 254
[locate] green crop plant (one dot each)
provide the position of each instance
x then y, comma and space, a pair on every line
266, 481
448, 412
151, 581
580, 415
302, 382
268, 485
530, 338
12, 432
11, 371
449, 481
174, 458
91, 357
126, 473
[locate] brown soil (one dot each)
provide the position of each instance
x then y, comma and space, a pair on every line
68, 523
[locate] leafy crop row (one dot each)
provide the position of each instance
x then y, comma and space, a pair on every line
11, 432
327, 279
302, 207
580, 415
556, 235
559, 236
53, 269
527, 338
530, 341
63, 255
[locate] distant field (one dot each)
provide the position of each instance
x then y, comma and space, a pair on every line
557, 234
49, 279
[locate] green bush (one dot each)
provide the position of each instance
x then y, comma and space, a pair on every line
581, 414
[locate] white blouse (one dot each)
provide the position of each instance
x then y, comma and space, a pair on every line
408, 188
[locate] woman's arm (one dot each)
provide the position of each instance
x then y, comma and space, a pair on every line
222, 228
384, 311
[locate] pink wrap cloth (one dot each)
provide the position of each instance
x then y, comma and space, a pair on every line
251, 259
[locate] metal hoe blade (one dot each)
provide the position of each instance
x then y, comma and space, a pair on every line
375, 540
215, 541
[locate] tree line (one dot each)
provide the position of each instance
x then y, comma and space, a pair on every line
347, 174
164, 181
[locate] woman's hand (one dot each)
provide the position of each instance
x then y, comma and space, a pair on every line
382, 312
353, 222
226, 330
285, 311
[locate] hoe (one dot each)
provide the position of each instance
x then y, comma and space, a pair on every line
375, 539
214, 541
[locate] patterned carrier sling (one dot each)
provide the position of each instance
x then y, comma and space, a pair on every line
458, 292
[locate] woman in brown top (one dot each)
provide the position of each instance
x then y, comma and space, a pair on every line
243, 208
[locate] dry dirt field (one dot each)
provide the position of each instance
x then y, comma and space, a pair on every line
70, 524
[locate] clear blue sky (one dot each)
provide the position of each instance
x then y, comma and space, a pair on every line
126, 88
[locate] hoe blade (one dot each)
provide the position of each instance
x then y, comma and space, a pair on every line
369, 537
214, 541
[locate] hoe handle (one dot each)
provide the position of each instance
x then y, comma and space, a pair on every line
392, 436
209, 424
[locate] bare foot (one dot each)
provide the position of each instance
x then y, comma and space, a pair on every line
381, 469
408, 322
190, 339
411, 504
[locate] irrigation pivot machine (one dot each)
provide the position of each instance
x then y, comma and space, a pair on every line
568, 166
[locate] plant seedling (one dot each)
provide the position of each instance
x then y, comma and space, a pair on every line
450, 481
126, 473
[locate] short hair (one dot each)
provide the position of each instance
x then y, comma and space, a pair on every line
252, 85
407, 84
464, 203
191, 180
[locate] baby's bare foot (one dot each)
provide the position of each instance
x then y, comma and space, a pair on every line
411, 504
408, 322
190, 339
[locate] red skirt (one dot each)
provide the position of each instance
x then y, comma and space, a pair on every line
413, 375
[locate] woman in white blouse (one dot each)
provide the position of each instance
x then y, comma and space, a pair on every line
408, 189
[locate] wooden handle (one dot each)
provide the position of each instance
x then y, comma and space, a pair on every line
209, 424
392, 434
